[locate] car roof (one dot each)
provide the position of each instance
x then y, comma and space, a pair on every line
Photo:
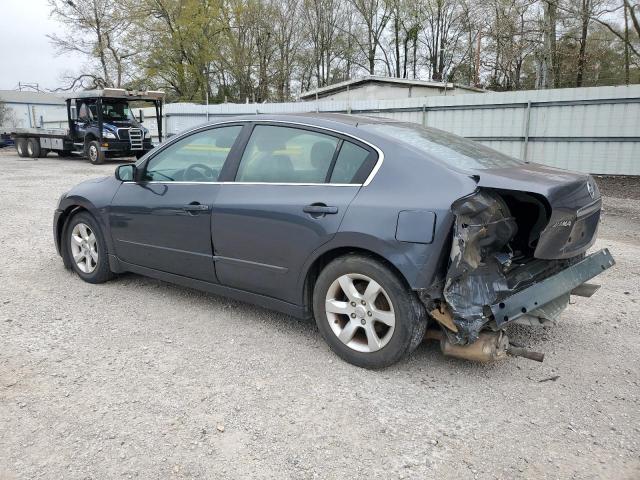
318, 119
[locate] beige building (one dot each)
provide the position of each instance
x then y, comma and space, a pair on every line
384, 88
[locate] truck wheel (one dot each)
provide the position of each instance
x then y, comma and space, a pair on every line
33, 147
94, 153
366, 313
21, 147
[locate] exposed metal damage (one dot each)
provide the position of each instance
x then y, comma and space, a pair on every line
479, 256
493, 277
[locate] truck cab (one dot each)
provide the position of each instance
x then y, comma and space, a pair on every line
101, 125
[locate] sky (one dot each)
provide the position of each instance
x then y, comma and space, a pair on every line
26, 53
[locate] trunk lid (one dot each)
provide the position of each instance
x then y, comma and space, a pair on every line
573, 200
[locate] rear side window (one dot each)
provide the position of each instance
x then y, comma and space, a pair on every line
351, 160
286, 155
450, 149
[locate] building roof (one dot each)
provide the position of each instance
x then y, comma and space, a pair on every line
403, 82
24, 97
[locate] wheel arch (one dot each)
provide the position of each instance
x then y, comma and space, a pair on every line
323, 258
61, 225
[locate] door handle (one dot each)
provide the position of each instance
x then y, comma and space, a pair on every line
196, 207
320, 209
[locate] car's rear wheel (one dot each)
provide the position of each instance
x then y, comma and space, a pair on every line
87, 249
21, 147
366, 313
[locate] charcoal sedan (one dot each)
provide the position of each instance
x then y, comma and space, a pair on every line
385, 232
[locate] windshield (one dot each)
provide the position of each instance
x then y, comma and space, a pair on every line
116, 111
453, 150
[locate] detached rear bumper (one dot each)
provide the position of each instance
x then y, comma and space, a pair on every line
550, 288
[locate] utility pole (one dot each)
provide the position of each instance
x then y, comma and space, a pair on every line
476, 79
206, 90
626, 42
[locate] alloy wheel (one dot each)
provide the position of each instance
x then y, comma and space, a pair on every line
84, 248
93, 153
360, 312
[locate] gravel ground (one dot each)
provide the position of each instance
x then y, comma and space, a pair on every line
141, 379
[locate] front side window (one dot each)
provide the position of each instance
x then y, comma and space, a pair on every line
196, 158
286, 155
86, 111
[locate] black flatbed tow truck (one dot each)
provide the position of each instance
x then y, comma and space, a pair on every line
101, 125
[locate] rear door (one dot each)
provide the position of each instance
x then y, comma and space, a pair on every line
163, 220
292, 187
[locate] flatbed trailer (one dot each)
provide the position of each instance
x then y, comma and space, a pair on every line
101, 125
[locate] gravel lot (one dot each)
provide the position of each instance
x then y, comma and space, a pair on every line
141, 379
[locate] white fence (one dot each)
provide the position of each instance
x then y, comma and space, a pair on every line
595, 130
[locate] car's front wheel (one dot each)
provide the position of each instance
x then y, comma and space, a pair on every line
366, 313
87, 249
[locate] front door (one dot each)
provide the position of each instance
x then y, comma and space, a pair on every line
163, 220
292, 188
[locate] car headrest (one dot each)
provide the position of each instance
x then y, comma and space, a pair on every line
282, 167
321, 154
270, 168
270, 144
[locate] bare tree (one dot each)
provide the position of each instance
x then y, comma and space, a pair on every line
549, 56
97, 30
443, 21
286, 39
259, 50
631, 11
373, 16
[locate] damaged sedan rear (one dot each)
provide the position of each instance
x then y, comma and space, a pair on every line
517, 246
385, 232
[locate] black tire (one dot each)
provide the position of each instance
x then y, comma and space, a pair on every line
101, 273
21, 147
410, 314
33, 148
94, 153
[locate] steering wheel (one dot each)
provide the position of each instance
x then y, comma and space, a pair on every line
198, 171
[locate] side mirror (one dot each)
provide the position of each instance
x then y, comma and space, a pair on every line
140, 116
74, 114
126, 173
